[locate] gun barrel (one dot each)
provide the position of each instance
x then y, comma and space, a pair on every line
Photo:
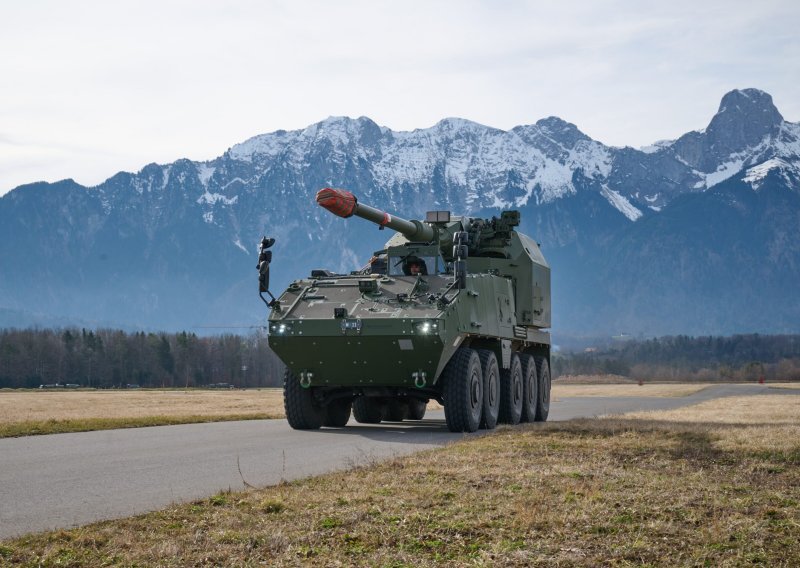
344, 204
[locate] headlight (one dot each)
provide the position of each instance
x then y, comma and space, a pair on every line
426, 327
280, 328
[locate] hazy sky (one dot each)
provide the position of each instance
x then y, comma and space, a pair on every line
90, 88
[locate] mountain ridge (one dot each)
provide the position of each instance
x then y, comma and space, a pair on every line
180, 239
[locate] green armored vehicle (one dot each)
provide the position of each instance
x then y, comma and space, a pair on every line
453, 309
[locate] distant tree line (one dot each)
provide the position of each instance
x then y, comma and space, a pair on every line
108, 358
681, 357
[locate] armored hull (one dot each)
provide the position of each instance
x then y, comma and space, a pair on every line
378, 341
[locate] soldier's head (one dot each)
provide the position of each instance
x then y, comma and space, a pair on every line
415, 266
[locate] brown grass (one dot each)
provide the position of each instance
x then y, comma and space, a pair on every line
768, 422
19, 406
24, 413
40, 427
592, 380
662, 490
734, 410
45, 412
625, 390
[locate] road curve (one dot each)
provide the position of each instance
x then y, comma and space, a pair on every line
64, 480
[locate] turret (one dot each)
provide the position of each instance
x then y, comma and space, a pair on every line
471, 245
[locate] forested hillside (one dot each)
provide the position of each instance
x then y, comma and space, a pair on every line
735, 358
108, 358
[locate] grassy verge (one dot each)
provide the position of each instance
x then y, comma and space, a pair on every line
623, 491
784, 385
626, 390
37, 427
25, 413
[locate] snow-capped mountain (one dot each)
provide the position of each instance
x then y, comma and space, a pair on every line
174, 245
465, 154
746, 131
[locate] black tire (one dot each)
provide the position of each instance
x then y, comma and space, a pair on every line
511, 392
337, 413
416, 409
530, 388
463, 391
396, 410
491, 388
367, 410
302, 412
543, 404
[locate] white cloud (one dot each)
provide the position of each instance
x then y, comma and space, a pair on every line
94, 87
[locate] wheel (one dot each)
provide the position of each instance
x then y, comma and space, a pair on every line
416, 409
511, 392
491, 388
367, 410
463, 391
530, 388
396, 410
543, 400
302, 411
337, 413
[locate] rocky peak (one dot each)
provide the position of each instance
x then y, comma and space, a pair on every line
370, 133
747, 102
561, 130
744, 118
453, 126
552, 134
740, 132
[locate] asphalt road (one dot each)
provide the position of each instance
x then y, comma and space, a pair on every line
64, 480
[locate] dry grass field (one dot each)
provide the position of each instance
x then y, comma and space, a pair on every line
593, 380
625, 390
774, 410
45, 412
769, 422
18, 406
784, 385
717, 484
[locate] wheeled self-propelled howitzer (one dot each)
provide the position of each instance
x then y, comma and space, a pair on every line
452, 309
